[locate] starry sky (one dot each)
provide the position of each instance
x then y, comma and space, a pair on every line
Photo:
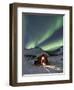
44, 31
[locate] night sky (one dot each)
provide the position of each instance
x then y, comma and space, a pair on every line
44, 31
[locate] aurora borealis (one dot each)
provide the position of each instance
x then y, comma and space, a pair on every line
44, 31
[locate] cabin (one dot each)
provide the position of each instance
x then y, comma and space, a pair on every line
41, 60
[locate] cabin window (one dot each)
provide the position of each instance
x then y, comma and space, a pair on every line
43, 58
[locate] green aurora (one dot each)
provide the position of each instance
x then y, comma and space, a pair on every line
53, 27
53, 45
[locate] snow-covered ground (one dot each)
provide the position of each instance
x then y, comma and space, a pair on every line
55, 66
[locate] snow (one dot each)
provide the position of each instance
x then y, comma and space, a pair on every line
55, 66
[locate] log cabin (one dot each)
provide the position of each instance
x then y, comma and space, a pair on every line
41, 60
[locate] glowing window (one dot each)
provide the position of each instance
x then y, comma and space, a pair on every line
43, 58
